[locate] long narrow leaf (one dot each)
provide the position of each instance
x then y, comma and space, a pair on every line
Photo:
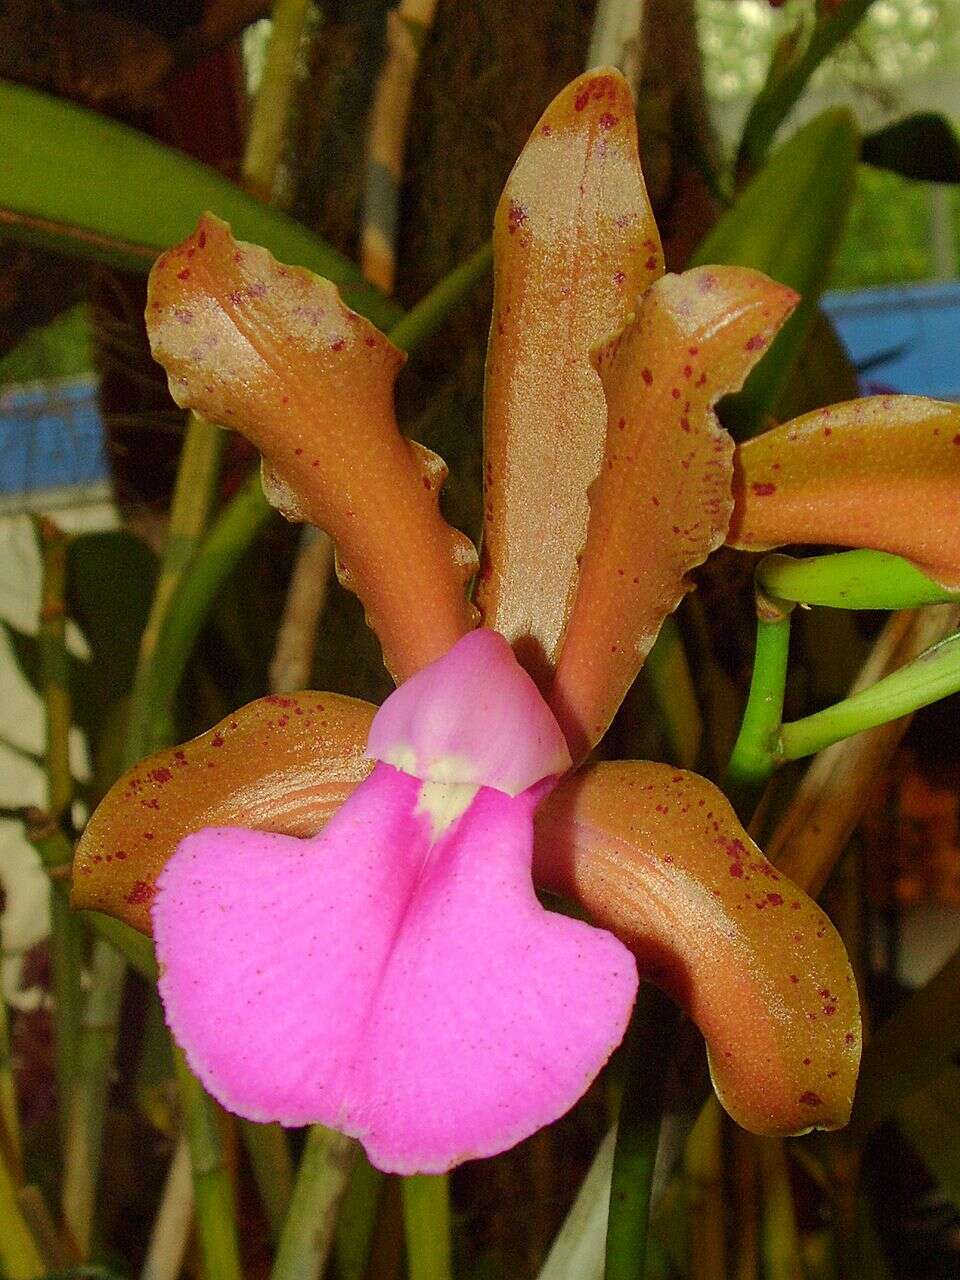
78, 182
778, 97
787, 223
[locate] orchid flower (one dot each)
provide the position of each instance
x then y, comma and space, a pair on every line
341, 896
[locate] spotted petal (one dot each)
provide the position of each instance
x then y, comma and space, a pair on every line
272, 351
883, 472
282, 763
575, 242
662, 500
409, 992
657, 855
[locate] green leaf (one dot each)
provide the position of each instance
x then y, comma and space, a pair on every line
110, 583
822, 374
59, 349
75, 181
85, 690
788, 223
931, 1120
910, 1050
26, 652
923, 146
782, 91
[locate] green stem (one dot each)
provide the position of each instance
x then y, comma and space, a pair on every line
19, 1255
934, 675
55, 670
426, 1220
667, 671
68, 948
851, 580
357, 1219
136, 948
775, 101
193, 499
229, 538
782, 1253
638, 1132
269, 1155
268, 117
753, 759
321, 1181
10, 1142
87, 1108
425, 318
706, 1202
212, 1185
67, 934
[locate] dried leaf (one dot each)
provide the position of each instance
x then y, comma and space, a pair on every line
662, 500
282, 763
272, 351
575, 242
883, 472
657, 855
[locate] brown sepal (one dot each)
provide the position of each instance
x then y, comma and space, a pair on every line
575, 242
282, 763
658, 856
662, 500
272, 351
882, 472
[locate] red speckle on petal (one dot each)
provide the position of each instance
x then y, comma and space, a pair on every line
647, 376
618, 278
201, 239
516, 216
810, 1099
763, 489
608, 120
775, 899
141, 892
184, 274
651, 263
338, 344
756, 343
217, 740
161, 775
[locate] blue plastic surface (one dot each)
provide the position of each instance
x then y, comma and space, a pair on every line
902, 338
51, 437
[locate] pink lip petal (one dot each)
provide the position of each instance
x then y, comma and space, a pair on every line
494, 1015
271, 949
475, 717
412, 994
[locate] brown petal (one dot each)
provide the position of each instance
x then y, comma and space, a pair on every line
574, 243
273, 352
657, 856
882, 472
662, 500
283, 763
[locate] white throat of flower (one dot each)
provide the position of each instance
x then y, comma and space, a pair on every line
443, 803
